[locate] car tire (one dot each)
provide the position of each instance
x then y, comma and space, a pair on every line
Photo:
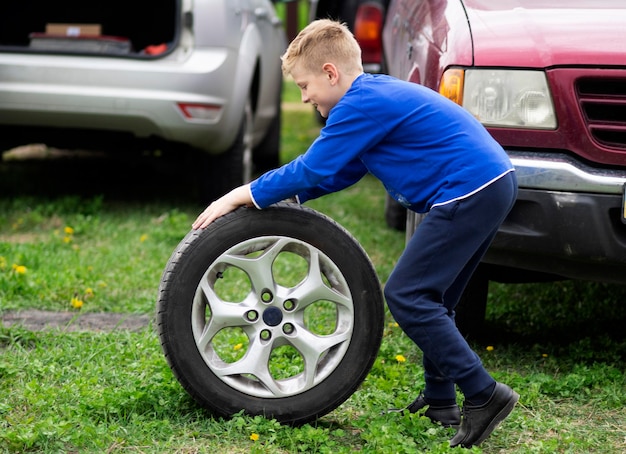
395, 214
267, 153
240, 333
218, 174
472, 307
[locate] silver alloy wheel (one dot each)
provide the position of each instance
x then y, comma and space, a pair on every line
279, 318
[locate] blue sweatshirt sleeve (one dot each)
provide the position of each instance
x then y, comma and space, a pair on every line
350, 174
330, 164
298, 179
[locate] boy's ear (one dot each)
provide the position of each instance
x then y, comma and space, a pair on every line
331, 71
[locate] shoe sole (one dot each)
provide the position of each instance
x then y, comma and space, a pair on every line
501, 416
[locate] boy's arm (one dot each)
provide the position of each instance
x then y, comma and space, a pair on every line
224, 205
349, 175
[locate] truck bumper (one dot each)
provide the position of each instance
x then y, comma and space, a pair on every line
567, 220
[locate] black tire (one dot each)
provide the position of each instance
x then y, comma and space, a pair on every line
328, 321
472, 307
395, 214
267, 154
218, 174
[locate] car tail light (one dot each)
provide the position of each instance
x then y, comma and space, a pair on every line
368, 25
200, 112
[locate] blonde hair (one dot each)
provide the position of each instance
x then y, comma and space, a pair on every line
323, 41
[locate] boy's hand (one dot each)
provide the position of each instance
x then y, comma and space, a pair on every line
224, 205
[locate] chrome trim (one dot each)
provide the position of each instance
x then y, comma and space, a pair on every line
555, 172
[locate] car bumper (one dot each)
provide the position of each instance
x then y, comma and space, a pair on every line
123, 95
567, 220
556, 172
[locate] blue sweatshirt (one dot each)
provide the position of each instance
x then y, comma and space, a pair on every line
424, 148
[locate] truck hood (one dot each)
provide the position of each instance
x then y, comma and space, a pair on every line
524, 33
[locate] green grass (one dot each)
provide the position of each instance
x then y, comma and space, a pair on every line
560, 345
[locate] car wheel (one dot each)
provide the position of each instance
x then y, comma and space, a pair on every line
247, 143
276, 312
472, 307
267, 154
218, 174
395, 214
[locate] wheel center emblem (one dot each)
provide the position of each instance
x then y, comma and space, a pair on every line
272, 316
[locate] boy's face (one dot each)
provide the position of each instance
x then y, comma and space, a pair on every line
321, 89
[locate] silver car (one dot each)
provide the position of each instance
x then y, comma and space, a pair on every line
197, 78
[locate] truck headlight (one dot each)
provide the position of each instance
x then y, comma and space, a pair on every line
504, 98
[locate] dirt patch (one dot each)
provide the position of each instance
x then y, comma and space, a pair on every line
40, 152
36, 320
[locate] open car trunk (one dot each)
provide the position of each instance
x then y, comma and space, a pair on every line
131, 28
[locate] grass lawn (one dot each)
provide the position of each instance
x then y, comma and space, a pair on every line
560, 345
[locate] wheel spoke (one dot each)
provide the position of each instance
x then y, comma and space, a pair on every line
314, 289
312, 349
259, 269
223, 315
254, 363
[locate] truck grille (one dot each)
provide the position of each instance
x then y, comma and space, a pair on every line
603, 103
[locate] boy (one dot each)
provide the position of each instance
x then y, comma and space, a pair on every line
432, 156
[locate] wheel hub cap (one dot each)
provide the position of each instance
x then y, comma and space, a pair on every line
272, 316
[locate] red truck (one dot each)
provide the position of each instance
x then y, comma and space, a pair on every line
549, 83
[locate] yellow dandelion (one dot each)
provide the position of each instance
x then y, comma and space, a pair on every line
400, 358
254, 437
489, 348
76, 303
67, 239
88, 292
238, 346
19, 269
544, 355
143, 238
68, 230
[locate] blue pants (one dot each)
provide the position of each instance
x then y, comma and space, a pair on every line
430, 276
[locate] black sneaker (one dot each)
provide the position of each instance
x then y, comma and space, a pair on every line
446, 415
480, 420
